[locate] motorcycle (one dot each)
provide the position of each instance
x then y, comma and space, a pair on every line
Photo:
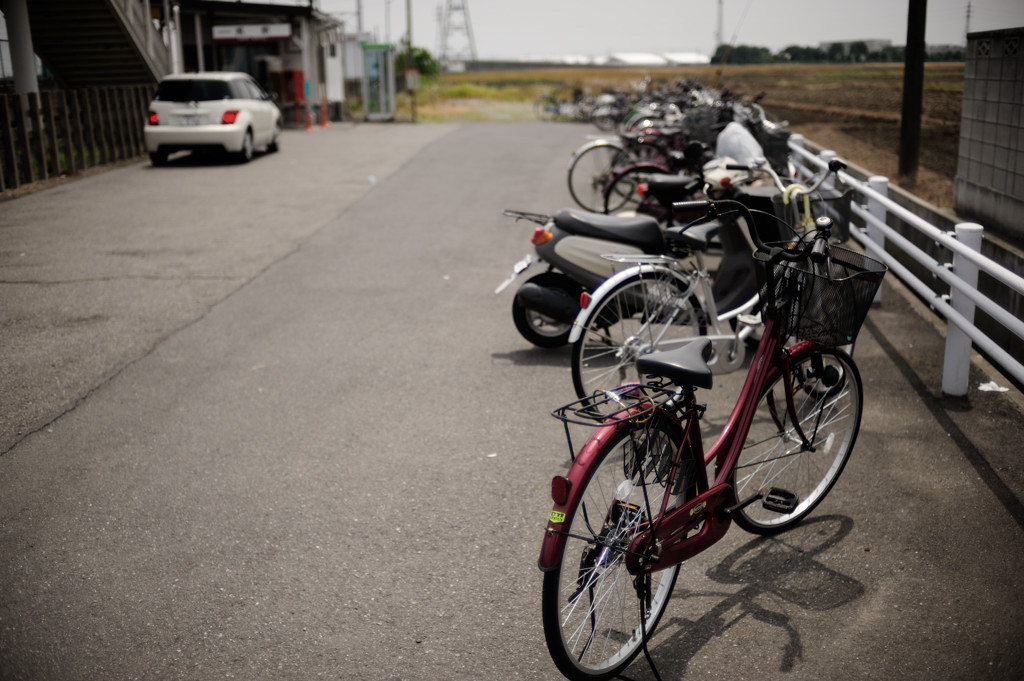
569, 245
573, 245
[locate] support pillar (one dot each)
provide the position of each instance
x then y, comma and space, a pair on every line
23, 58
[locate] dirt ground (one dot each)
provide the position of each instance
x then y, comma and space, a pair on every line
864, 129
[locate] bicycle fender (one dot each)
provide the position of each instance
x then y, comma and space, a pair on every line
598, 142
559, 519
602, 291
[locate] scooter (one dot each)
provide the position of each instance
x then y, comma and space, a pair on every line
570, 245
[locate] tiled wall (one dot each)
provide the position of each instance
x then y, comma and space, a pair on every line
990, 172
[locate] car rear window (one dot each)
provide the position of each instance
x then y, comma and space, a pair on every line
193, 90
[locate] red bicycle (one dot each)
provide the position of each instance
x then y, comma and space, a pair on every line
638, 499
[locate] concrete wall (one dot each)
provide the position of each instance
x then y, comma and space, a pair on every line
990, 171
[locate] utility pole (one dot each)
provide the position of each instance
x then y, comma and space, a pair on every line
409, 66
913, 89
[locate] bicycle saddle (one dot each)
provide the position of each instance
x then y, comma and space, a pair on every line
641, 231
687, 365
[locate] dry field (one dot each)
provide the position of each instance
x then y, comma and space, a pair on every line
851, 109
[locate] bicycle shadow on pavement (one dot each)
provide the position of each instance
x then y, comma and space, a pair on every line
782, 567
559, 357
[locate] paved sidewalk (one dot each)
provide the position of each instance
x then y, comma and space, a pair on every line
271, 422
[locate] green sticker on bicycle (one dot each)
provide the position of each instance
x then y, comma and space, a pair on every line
557, 517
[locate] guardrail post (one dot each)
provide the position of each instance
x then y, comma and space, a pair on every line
879, 185
957, 362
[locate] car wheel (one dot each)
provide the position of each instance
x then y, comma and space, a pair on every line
274, 144
245, 155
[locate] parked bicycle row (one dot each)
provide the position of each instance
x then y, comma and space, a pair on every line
652, 317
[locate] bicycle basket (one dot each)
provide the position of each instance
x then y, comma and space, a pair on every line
827, 302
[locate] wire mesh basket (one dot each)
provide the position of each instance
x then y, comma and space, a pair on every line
824, 302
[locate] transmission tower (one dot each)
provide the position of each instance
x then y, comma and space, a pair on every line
718, 31
457, 44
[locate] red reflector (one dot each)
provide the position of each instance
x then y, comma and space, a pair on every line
154, 118
541, 236
641, 189
726, 182
584, 300
560, 487
229, 117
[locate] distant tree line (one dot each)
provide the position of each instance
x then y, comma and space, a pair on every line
835, 53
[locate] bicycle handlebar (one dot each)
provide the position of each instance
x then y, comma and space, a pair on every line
703, 210
762, 166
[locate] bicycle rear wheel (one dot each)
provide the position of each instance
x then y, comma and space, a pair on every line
828, 399
623, 191
646, 312
596, 615
589, 171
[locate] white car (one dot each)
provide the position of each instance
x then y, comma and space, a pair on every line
215, 111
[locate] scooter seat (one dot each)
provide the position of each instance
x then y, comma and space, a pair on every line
694, 237
667, 189
641, 231
687, 365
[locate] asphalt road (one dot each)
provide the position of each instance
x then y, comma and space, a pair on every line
270, 422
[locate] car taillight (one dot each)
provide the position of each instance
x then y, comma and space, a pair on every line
154, 118
229, 117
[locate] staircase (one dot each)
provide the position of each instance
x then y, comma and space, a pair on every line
98, 43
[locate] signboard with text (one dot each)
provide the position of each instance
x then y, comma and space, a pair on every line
251, 32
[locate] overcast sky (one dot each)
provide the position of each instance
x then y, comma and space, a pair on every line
505, 29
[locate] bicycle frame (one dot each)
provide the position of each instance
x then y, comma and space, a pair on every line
686, 531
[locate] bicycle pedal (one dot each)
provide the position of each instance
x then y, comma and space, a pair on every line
780, 500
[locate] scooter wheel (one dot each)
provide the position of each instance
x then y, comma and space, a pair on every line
542, 330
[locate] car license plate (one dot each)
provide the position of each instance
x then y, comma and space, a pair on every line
517, 269
191, 120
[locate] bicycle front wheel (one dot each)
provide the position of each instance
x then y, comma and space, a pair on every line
647, 312
597, 616
828, 400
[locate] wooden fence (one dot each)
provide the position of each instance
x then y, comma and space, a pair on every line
61, 132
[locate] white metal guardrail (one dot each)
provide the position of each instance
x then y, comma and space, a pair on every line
872, 206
